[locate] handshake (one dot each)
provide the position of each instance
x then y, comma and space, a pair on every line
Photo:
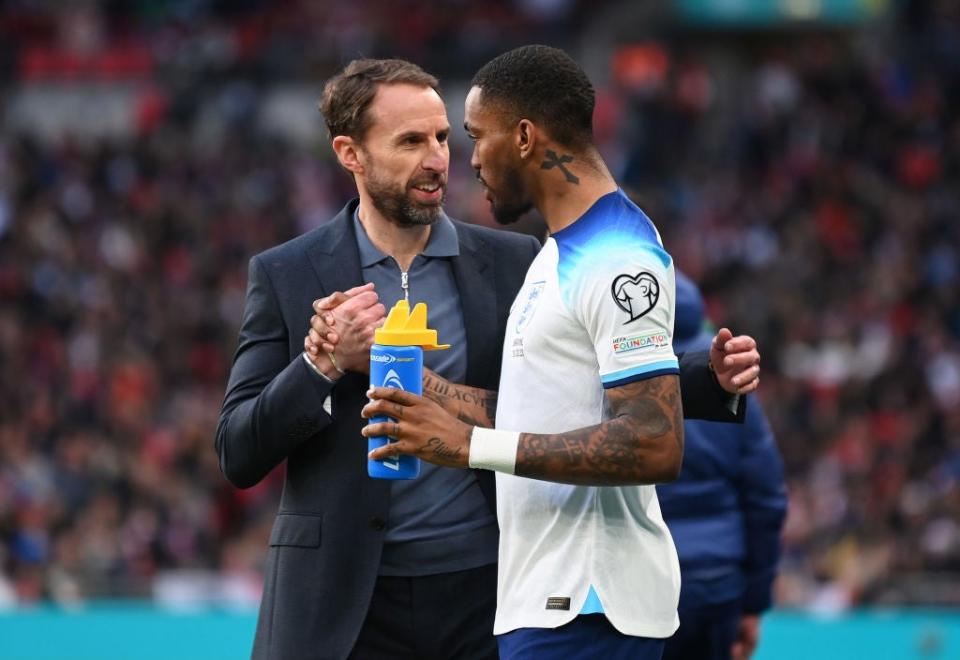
341, 331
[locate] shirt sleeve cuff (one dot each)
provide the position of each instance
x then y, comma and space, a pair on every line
733, 404
641, 372
316, 370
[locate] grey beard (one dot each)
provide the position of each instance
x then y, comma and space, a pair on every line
405, 213
397, 207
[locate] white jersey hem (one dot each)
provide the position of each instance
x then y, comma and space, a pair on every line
654, 630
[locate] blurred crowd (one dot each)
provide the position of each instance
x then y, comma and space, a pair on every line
188, 42
810, 182
821, 214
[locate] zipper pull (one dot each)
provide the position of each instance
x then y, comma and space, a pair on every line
405, 285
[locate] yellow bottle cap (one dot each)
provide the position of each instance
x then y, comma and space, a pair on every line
406, 328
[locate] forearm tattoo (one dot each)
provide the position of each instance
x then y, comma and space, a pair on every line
473, 405
642, 444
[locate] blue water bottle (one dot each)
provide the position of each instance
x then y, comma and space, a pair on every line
396, 360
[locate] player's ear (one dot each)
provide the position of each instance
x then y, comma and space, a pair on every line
348, 153
526, 138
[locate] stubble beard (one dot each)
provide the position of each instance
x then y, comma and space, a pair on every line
394, 203
509, 211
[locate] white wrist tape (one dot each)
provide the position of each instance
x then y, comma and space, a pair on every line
495, 450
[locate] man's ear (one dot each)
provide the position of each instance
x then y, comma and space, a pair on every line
348, 153
526, 138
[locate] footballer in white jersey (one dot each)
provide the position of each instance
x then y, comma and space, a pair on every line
595, 312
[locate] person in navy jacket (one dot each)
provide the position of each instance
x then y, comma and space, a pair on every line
725, 512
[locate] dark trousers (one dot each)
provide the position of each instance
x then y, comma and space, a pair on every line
587, 637
435, 617
705, 633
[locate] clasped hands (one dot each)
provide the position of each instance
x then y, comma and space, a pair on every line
341, 330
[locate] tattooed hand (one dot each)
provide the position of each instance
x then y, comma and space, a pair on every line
422, 428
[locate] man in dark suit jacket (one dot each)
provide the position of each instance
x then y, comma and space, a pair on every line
344, 575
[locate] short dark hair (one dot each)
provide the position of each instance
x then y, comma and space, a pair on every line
542, 84
348, 94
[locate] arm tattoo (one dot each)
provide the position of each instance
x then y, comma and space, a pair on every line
642, 444
553, 160
490, 405
439, 449
473, 405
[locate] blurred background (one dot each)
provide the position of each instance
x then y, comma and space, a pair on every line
801, 159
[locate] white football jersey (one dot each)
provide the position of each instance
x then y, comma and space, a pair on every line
596, 311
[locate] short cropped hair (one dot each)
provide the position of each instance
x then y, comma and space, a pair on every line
347, 96
544, 85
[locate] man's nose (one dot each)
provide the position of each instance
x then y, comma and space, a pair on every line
475, 159
438, 159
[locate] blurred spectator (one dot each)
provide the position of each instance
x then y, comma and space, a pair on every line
725, 512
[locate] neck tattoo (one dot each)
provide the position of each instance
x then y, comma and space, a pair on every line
553, 160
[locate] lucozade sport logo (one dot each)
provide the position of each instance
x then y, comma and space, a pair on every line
392, 379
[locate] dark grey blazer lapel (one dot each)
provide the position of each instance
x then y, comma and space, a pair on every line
334, 255
335, 258
473, 271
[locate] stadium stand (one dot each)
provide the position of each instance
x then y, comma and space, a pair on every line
808, 180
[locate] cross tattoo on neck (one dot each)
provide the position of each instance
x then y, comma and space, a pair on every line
553, 160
